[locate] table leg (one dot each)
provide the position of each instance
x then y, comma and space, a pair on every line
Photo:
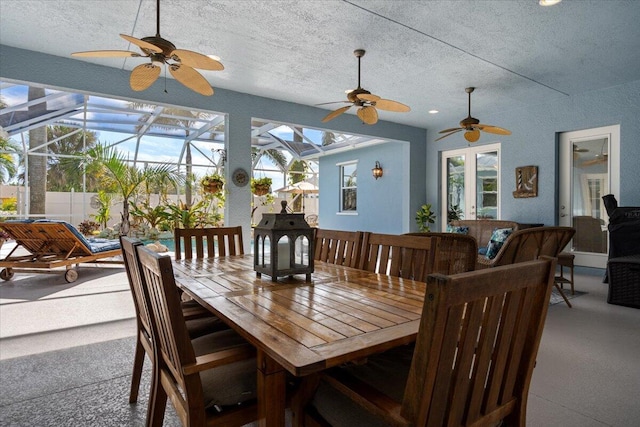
272, 399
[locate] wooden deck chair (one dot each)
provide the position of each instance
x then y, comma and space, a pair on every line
53, 244
399, 255
338, 247
210, 380
198, 323
208, 242
473, 360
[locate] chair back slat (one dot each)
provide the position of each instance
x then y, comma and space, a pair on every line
130, 256
399, 255
338, 247
208, 242
476, 346
174, 348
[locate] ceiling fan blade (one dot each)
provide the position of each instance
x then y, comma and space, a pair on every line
451, 130
332, 115
449, 134
369, 115
367, 97
197, 60
493, 129
143, 76
334, 102
106, 53
141, 43
472, 135
389, 105
191, 79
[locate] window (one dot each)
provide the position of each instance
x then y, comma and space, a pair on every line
348, 187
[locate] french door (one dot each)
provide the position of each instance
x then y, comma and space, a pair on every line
589, 169
471, 183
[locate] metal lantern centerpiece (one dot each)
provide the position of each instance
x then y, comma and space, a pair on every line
283, 245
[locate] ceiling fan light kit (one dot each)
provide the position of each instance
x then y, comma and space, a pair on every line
180, 62
472, 126
367, 103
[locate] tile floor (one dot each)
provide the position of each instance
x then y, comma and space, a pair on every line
66, 351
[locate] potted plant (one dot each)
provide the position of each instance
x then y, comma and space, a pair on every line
424, 217
260, 186
212, 183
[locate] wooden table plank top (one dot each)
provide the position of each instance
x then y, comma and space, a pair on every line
342, 314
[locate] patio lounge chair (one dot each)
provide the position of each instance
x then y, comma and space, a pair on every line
53, 244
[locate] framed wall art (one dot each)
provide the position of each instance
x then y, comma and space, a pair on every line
526, 182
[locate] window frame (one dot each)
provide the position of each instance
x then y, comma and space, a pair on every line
342, 209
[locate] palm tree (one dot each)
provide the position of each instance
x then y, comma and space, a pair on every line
8, 167
127, 179
65, 173
37, 173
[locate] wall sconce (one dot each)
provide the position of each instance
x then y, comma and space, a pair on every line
377, 170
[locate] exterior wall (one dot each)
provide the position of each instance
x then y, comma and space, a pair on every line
382, 204
534, 141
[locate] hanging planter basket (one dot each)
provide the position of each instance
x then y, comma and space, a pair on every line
211, 185
261, 190
261, 186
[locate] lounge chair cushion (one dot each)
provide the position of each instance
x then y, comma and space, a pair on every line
94, 244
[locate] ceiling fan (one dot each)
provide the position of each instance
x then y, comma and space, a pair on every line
601, 157
181, 62
366, 102
472, 126
577, 151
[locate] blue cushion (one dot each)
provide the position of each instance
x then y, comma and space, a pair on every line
457, 229
482, 250
498, 238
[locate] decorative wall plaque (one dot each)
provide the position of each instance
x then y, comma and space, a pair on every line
526, 182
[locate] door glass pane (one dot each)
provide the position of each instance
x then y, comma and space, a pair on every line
487, 185
590, 173
455, 188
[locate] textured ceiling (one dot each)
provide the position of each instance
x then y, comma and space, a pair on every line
421, 53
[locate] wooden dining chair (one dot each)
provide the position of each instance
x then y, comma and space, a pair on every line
208, 242
473, 361
457, 253
200, 321
404, 256
338, 247
210, 380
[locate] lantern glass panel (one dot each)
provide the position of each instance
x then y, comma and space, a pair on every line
302, 251
284, 253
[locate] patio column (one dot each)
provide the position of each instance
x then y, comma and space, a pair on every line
237, 209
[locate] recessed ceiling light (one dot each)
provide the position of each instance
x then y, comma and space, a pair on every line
548, 2
433, 111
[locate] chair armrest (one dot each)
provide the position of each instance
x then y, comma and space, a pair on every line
371, 399
219, 358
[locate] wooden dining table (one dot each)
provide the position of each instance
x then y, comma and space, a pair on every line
342, 315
